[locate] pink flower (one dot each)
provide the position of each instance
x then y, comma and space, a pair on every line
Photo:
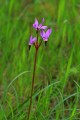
45, 35
32, 40
38, 26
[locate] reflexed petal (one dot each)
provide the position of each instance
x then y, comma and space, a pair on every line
32, 40
43, 27
48, 32
35, 25
36, 22
42, 34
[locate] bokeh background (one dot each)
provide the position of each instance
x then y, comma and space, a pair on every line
57, 81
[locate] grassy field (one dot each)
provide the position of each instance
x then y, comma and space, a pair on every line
57, 81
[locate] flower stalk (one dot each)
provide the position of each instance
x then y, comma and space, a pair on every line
33, 77
32, 83
34, 41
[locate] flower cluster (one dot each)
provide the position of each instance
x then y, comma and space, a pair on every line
40, 28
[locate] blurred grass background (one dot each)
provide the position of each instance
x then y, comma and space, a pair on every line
57, 81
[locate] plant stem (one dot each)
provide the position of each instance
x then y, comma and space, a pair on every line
32, 83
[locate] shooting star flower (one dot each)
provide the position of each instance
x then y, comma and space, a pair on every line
32, 40
45, 35
38, 26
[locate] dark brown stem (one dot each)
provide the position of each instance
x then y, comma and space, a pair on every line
32, 83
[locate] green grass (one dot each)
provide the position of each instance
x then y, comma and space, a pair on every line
57, 89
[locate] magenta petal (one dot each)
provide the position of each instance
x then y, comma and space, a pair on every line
42, 34
43, 27
32, 40
45, 35
40, 25
36, 22
48, 32
35, 25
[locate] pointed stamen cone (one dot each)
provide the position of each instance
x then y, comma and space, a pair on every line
45, 43
29, 47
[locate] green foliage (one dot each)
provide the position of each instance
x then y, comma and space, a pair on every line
56, 91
